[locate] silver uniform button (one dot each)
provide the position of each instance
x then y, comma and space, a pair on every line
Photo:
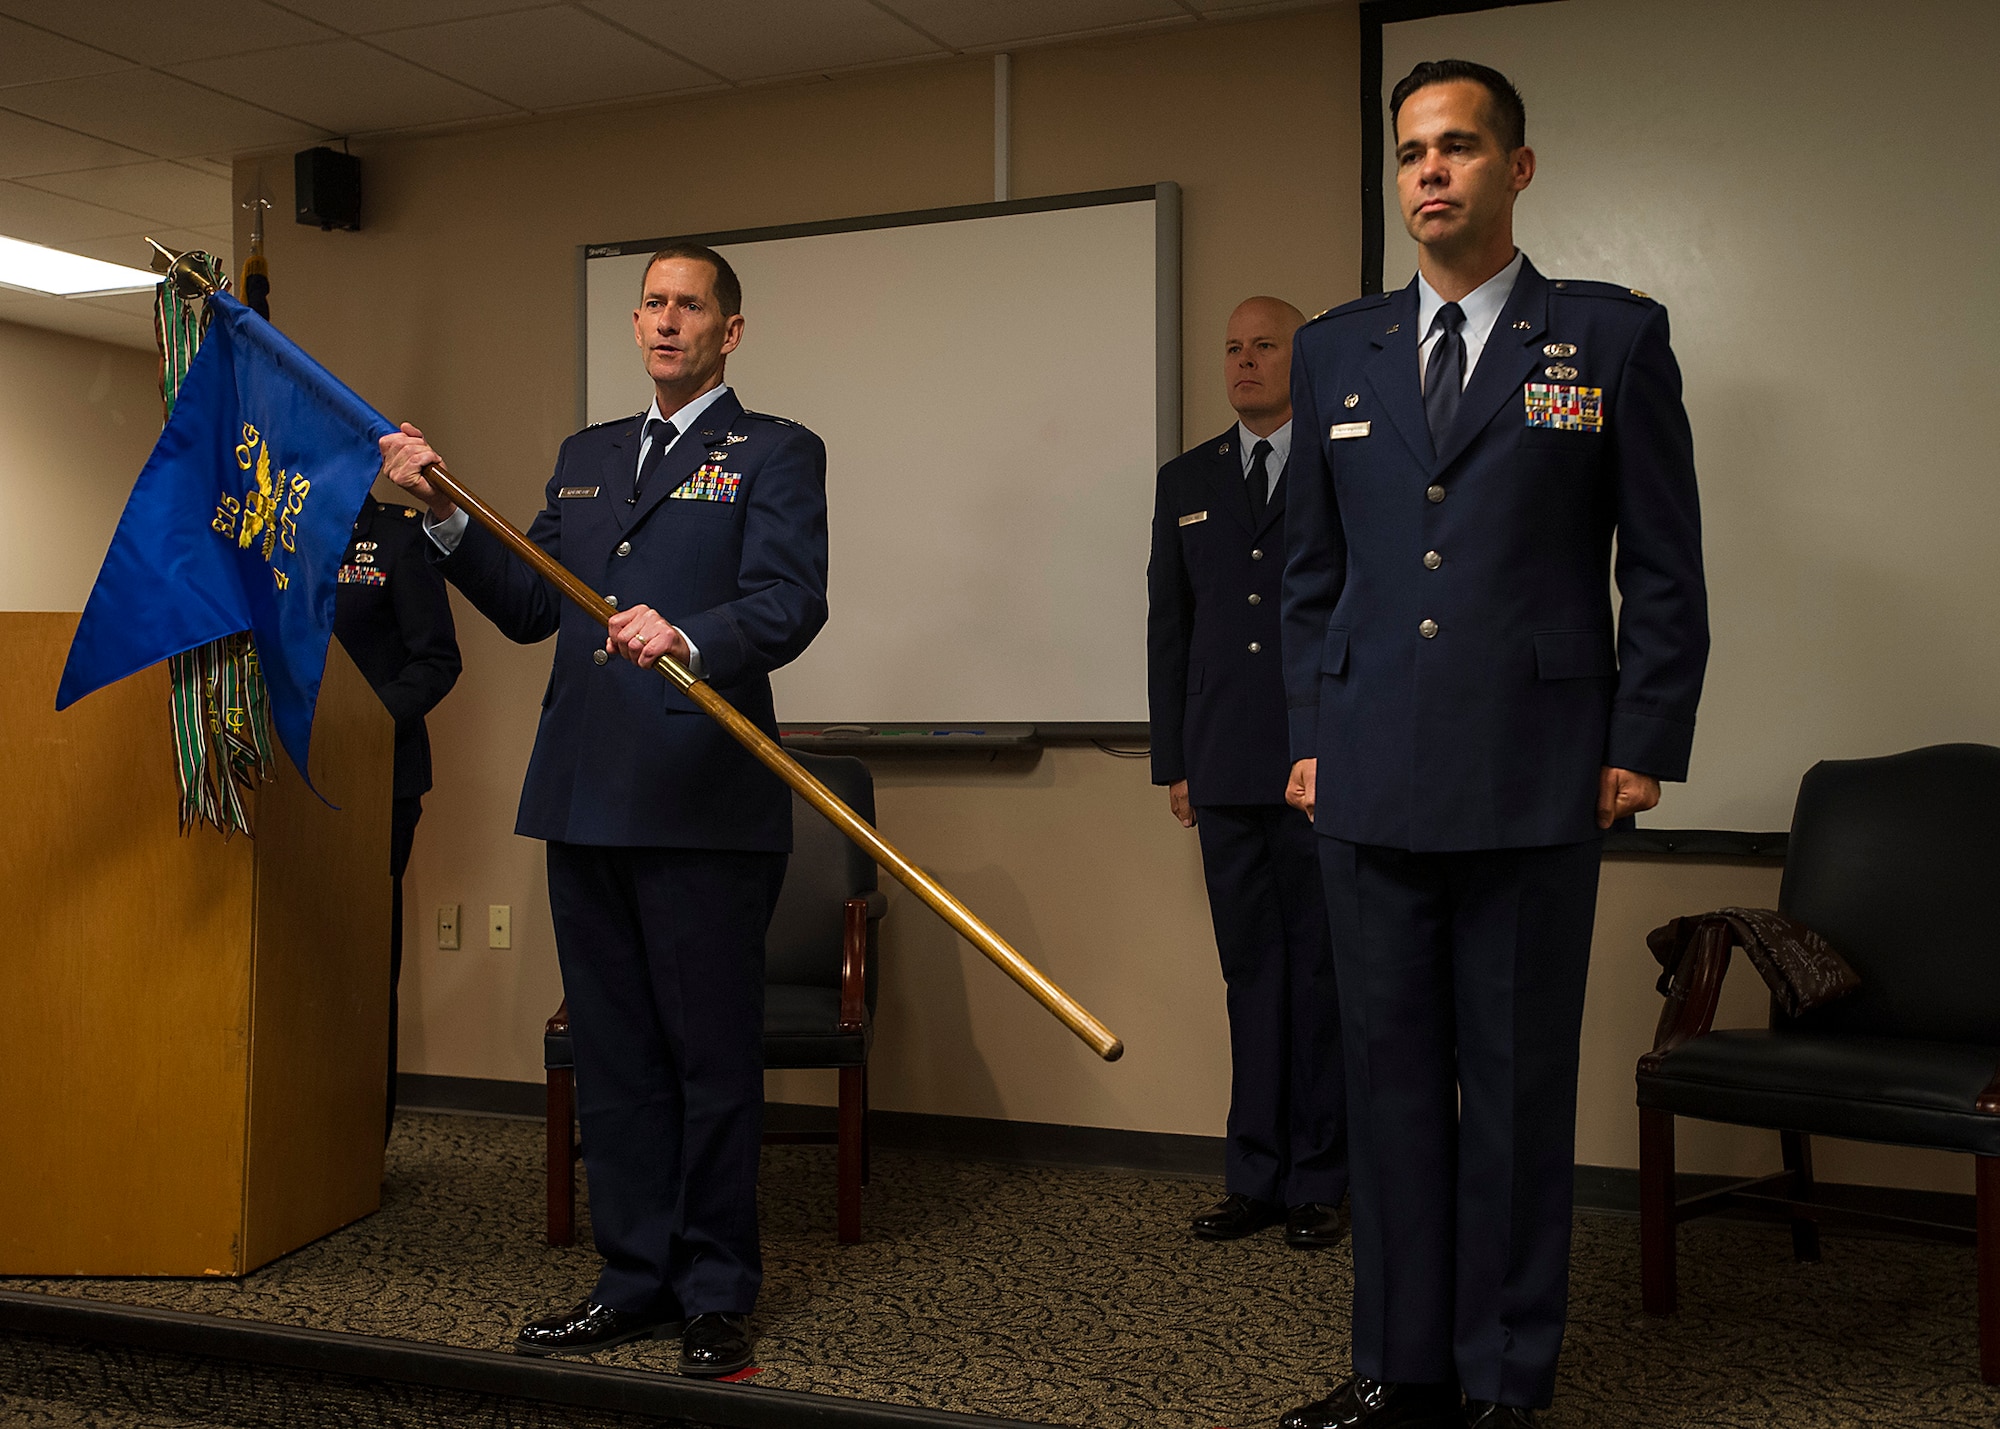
1256, 555
1428, 629
1432, 560
1255, 647
600, 656
1256, 600
624, 548
612, 601
1434, 494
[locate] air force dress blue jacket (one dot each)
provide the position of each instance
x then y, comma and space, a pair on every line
728, 542
391, 613
1451, 654
1214, 687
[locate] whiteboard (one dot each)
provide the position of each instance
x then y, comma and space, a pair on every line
1769, 171
996, 387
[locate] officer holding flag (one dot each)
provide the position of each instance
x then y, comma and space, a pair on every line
706, 524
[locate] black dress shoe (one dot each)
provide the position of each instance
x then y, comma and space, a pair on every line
1315, 1224
1235, 1216
715, 1344
591, 1326
1481, 1414
1371, 1404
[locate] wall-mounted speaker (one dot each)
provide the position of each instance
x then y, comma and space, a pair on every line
328, 185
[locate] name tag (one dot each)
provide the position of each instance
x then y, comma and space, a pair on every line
571, 491
1345, 431
1192, 517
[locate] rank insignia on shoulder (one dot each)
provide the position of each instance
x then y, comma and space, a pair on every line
570, 492
1347, 431
409, 513
1193, 518
1566, 409
709, 483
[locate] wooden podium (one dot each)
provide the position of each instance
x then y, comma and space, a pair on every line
196, 1028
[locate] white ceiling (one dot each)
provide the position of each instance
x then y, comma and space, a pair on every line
119, 118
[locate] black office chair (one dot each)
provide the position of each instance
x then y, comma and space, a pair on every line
819, 996
1889, 861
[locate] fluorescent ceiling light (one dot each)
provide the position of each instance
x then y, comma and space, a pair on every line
67, 275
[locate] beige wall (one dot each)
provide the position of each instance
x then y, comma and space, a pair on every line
77, 418
455, 308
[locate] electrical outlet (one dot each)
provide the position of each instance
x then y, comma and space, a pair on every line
499, 925
447, 925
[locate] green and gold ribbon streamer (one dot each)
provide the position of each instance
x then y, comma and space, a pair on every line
221, 716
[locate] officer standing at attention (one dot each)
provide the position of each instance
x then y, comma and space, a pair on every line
706, 524
1218, 731
391, 613
1468, 719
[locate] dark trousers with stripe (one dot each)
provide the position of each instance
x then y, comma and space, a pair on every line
662, 954
1461, 982
1287, 1129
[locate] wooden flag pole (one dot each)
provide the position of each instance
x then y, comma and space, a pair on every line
1067, 1009
1071, 1013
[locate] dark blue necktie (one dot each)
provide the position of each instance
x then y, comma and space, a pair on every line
1444, 374
1259, 480
661, 434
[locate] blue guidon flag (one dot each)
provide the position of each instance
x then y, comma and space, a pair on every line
237, 523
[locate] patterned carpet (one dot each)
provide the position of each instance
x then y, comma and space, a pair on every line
1074, 1297
59, 1384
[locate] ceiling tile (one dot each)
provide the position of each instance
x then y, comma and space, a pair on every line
28, 146
364, 17
131, 305
755, 39
1233, 8
546, 59
157, 114
53, 219
161, 192
345, 87
150, 33
78, 318
130, 248
28, 55
971, 24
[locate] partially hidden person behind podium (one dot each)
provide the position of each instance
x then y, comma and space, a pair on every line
667, 841
1477, 457
392, 615
1217, 700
